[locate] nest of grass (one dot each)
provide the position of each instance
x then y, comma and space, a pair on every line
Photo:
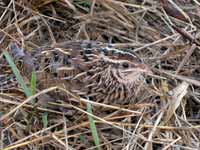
162, 33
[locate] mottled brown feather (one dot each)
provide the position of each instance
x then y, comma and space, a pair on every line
87, 69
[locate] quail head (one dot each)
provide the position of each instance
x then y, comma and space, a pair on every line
88, 69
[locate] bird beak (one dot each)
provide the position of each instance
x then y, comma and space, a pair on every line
139, 69
144, 68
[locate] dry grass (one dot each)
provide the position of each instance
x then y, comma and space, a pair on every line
163, 33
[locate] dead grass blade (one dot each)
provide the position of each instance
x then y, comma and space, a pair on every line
175, 100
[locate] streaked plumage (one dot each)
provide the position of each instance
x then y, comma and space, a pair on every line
85, 68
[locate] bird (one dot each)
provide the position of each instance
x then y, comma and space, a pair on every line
88, 69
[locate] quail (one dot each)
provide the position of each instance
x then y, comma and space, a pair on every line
85, 68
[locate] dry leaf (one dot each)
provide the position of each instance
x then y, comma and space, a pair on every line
175, 100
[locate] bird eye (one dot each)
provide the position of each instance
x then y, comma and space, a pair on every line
125, 65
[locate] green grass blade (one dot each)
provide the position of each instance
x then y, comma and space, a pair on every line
82, 138
17, 74
93, 126
33, 83
45, 119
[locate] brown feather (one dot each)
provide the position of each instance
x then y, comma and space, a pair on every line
101, 73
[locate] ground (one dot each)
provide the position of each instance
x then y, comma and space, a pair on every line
164, 34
